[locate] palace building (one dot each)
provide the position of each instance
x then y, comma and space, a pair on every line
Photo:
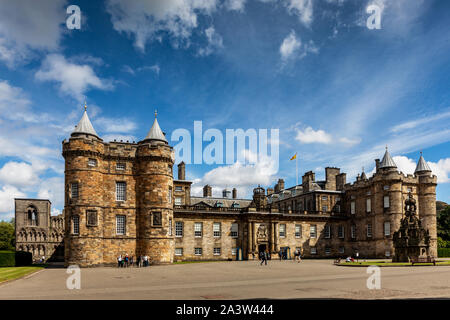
121, 197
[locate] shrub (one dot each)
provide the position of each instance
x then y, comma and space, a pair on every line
444, 252
7, 259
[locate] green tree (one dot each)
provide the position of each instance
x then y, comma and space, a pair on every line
443, 224
7, 240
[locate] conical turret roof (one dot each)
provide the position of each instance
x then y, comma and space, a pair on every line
85, 125
155, 132
422, 165
387, 161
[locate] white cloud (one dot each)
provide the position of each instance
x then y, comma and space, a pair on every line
424, 120
52, 189
115, 125
155, 68
18, 174
148, 20
73, 79
7, 195
441, 168
28, 25
302, 8
290, 45
235, 5
309, 135
214, 42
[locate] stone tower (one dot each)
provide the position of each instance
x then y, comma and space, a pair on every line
154, 185
83, 178
427, 201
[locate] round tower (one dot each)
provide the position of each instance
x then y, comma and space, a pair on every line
154, 184
427, 201
83, 155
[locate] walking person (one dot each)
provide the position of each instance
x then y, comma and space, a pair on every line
119, 261
262, 256
280, 254
131, 261
300, 255
145, 261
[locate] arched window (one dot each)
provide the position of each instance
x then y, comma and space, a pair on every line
32, 216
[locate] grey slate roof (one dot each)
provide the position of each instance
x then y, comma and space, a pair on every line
422, 165
155, 133
85, 126
226, 202
387, 161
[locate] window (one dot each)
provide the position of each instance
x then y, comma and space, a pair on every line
352, 207
178, 201
298, 230
92, 162
233, 251
217, 251
327, 250
178, 251
235, 205
324, 208
341, 249
313, 250
170, 227
198, 251
91, 218
178, 229
121, 191
313, 231
409, 190
178, 189
324, 198
234, 230
387, 228
353, 231
386, 187
341, 232
120, 166
120, 225
76, 225
74, 190
169, 196
368, 205
386, 201
216, 229
388, 253
282, 230
368, 193
337, 208
156, 219
369, 230
327, 231
198, 226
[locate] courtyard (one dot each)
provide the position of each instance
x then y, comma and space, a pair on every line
234, 280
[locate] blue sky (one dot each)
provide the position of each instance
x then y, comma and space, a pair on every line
337, 91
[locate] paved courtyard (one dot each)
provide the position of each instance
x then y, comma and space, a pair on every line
234, 280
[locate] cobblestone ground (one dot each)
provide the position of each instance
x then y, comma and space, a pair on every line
234, 280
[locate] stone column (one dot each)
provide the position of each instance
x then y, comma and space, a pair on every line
272, 237
254, 236
250, 240
275, 236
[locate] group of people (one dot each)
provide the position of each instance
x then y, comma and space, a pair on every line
265, 255
126, 261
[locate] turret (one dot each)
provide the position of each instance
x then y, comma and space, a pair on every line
154, 162
83, 178
387, 163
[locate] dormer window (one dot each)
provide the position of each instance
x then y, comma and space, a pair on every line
219, 204
235, 205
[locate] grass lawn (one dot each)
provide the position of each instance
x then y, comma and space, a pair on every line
11, 273
391, 264
198, 261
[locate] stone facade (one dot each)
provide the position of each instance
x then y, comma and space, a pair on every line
120, 197
37, 231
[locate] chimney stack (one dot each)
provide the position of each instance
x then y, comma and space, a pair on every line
226, 193
181, 171
234, 193
207, 191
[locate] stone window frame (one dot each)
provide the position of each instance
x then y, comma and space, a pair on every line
282, 230
327, 250
352, 207
313, 250
369, 228
154, 214
387, 253
387, 223
121, 166
178, 230
298, 234
353, 231
217, 251
170, 194
124, 224
170, 227
234, 231
327, 231
198, 251
75, 225
386, 204
119, 192
217, 233
198, 233
179, 254
325, 208
341, 251
234, 251
88, 220
368, 205
313, 234
341, 231
92, 162
71, 191
178, 189
180, 202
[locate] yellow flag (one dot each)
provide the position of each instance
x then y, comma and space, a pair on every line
294, 157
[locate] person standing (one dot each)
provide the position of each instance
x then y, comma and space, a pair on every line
280, 254
262, 256
119, 261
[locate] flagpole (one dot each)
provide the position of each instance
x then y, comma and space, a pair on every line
296, 171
